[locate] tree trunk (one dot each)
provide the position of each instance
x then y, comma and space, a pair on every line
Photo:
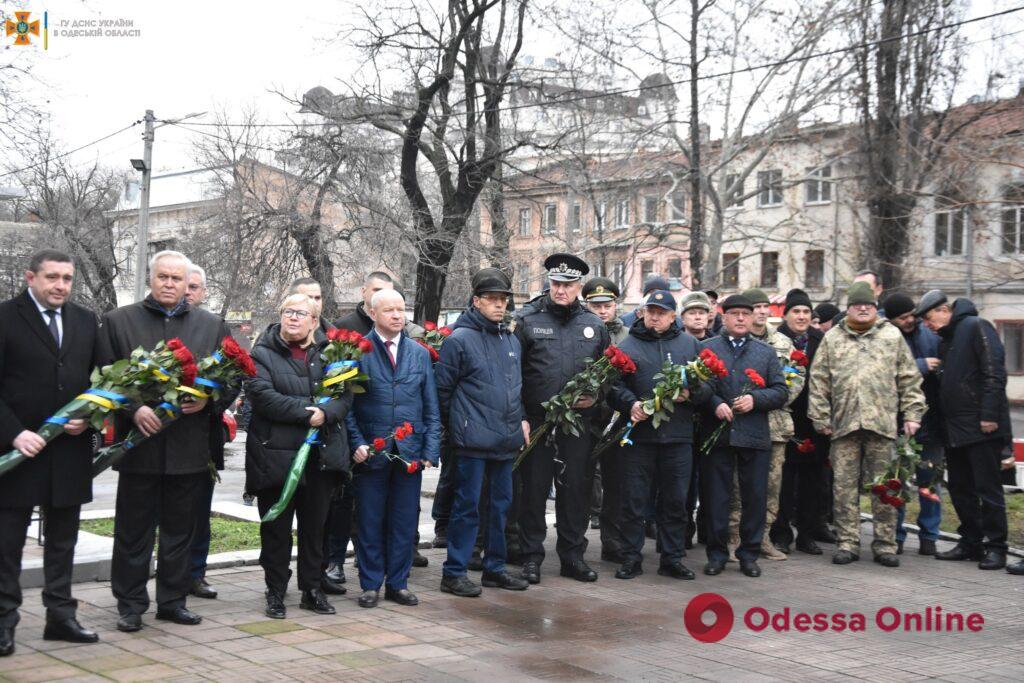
696, 205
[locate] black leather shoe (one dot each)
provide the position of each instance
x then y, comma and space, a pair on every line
844, 557
504, 580
677, 570
887, 559
6, 641
531, 572
403, 596
440, 541
179, 615
1016, 568
899, 547
369, 598
130, 623
629, 570
579, 570
476, 563
806, 544
70, 631
331, 587
926, 547
315, 601
823, 534
461, 586
750, 568
418, 560
275, 606
714, 568
993, 560
960, 552
201, 589
335, 572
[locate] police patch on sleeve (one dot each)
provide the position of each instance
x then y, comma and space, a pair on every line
588, 332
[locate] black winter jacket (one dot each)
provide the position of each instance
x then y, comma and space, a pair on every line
749, 430
650, 351
479, 386
183, 447
972, 387
280, 393
556, 342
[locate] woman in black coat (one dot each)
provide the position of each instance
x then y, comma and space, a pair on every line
288, 367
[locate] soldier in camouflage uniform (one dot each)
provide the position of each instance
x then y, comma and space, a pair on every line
601, 296
780, 421
862, 377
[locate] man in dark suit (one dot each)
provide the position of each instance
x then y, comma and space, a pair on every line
47, 346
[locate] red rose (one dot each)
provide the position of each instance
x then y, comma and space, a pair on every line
430, 326
798, 357
400, 434
189, 372
609, 353
754, 378
407, 427
886, 498
894, 484
175, 344
379, 444
230, 347
805, 446
365, 346
880, 490
413, 467
896, 502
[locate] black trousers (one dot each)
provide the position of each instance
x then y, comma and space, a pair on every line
572, 496
340, 528
671, 465
444, 494
976, 490
717, 471
611, 504
695, 516
802, 499
310, 504
58, 561
145, 502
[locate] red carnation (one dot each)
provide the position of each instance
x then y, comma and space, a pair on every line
430, 326
754, 378
407, 427
365, 345
379, 444
400, 434
805, 446
799, 357
894, 484
413, 467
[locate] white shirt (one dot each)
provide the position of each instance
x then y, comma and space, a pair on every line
46, 318
392, 348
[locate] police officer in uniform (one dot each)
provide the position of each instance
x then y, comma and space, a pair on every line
557, 335
601, 296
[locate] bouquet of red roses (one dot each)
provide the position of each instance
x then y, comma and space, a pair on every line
341, 359
223, 368
891, 486
433, 338
560, 410
754, 381
379, 446
145, 376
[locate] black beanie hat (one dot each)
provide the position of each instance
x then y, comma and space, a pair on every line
896, 304
825, 311
796, 297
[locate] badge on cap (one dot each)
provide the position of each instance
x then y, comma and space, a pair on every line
588, 332
659, 297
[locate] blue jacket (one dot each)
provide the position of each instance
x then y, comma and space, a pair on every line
394, 396
479, 385
923, 344
749, 430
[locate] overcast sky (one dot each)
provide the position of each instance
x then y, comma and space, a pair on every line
206, 55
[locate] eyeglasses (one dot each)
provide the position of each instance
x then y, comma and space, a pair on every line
292, 313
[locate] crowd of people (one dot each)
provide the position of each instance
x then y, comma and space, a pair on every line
765, 459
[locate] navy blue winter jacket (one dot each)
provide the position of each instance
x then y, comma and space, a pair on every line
479, 385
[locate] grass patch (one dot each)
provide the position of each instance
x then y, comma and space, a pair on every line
950, 521
226, 535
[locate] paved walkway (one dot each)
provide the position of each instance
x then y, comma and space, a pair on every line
561, 629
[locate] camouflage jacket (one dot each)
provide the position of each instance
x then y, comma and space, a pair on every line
862, 381
781, 421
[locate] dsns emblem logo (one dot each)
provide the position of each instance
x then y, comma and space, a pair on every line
720, 609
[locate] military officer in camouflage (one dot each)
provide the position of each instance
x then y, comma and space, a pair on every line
780, 422
601, 296
862, 377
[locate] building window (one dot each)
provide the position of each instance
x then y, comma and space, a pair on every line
600, 211
619, 274
622, 213
525, 229
550, 219
599, 269
577, 218
769, 187
737, 196
675, 268
646, 269
949, 229
678, 201
731, 270
523, 277
818, 186
814, 268
1013, 219
769, 269
651, 209
1012, 333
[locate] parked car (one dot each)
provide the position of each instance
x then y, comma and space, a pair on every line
230, 426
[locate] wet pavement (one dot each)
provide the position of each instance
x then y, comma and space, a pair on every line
564, 630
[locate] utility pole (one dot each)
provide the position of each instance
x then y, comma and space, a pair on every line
142, 238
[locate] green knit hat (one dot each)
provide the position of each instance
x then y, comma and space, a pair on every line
756, 296
860, 293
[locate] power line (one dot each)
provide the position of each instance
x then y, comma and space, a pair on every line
77, 149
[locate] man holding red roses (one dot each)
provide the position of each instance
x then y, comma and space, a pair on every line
162, 479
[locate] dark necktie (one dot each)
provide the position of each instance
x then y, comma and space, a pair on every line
52, 315
388, 345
